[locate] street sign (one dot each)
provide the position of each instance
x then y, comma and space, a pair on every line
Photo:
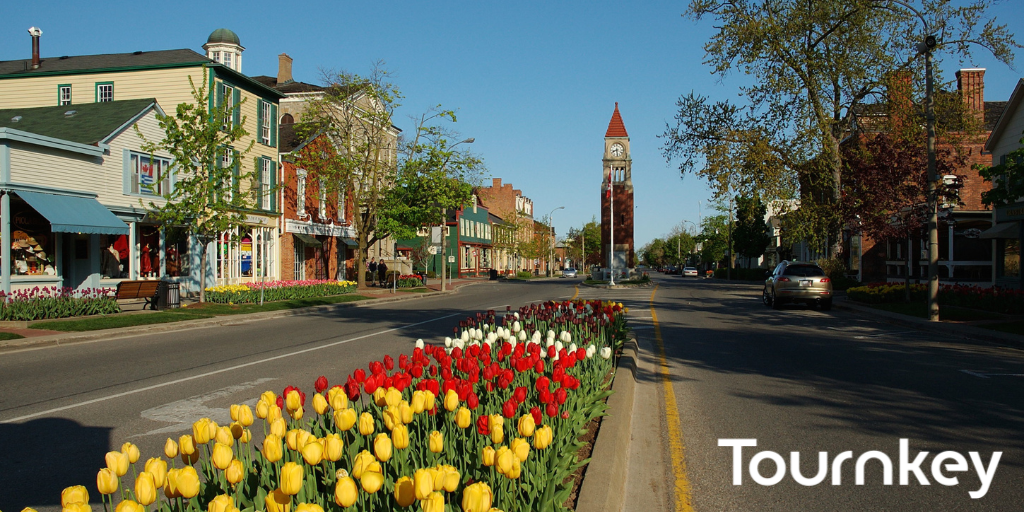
432, 249
451, 259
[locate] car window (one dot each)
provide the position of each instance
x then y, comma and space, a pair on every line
804, 271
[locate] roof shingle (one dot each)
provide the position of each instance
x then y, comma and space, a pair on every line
90, 123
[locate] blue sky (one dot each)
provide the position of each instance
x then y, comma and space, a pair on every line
534, 82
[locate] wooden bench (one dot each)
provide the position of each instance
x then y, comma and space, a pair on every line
138, 290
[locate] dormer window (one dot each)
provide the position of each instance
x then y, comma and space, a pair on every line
227, 59
216, 56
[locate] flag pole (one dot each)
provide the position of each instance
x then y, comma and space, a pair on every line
611, 215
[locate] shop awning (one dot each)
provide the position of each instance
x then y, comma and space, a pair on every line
69, 214
1003, 230
307, 239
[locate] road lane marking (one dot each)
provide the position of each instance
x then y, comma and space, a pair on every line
182, 413
675, 433
577, 294
215, 372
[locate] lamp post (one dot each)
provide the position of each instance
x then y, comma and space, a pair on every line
551, 250
444, 224
925, 47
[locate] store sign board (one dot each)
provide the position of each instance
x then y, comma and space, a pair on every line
257, 220
1010, 212
313, 228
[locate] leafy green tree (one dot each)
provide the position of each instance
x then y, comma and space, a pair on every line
206, 199
814, 65
1007, 180
714, 238
585, 243
750, 234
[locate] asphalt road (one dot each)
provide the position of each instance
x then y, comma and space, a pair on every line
63, 407
806, 381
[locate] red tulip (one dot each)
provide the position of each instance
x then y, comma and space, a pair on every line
321, 384
389, 362
520, 394
508, 409
535, 412
482, 425
551, 410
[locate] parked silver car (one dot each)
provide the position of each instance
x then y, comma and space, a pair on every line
569, 272
797, 281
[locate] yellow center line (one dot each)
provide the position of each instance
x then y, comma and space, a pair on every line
677, 450
577, 294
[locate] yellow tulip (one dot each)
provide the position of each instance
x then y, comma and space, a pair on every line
371, 481
131, 451
423, 482
171, 484
106, 481
382, 447
117, 462
527, 425
246, 436
29, 509
187, 445
516, 469
273, 413
188, 482
451, 478
380, 397
365, 424
170, 449
320, 403
497, 434
235, 472
297, 414
279, 427
346, 492
344, 419
278, 501
302, 438
433, 503
521, 448
234, 412
337, 399
419, 400
272, 450
334, 448
201, 431
362, 461
128, 506
221, 503
477, 498
291, 478
503, 460
308, 507
488, 456
292, 439
428, 404
313, 453
293, 401
392, 418
145, 488
405, 492
542, 437
237, 430
158, 468
405, 411
77, 507
74, 494
451, 400
437, 475
463, 418
225, 436
244, 415
269, 397
400, 437
392, 396
222, 456
495, 420
436, 442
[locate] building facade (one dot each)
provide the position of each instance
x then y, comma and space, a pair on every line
514, 231
618, 182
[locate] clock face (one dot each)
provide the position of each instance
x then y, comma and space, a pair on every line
617, 149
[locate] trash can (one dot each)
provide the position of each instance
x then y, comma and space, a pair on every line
168, 295
494, 274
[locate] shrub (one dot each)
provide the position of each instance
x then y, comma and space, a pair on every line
996, 299
523, 274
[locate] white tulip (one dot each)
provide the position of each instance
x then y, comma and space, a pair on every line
465, 336
558, 346
543, 354
448, 350
419, 344
491, 338
549, 343
516, 327
606, 352
517, 315
551, 334
522, 336
447, 342
536, 336
572, 348
590, 351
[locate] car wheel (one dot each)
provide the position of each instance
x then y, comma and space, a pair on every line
765, 298
826, 305
776, 302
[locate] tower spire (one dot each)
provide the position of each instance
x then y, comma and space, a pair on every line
615, 127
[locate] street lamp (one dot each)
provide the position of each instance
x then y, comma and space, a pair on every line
444, 224
925, 47
551, 251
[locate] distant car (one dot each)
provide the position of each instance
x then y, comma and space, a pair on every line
569, 272
689, 272
797, 281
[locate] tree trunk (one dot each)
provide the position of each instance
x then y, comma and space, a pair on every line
361, 261
202, 272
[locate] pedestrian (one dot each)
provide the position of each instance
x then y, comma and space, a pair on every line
382, 271
373, 271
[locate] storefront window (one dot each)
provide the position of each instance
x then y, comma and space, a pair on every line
1011, 258
245, 253
176, 252
114, 255
148, 240
32, 253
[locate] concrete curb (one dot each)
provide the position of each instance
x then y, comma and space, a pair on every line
604, 484
226, 320
961, 330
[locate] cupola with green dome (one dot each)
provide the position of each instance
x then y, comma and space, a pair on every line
223, 46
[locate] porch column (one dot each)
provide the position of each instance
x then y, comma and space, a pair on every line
949, 259
5, 242
133, 252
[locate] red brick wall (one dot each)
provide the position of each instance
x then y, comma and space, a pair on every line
623, 222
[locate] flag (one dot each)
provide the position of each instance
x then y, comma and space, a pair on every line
608, 194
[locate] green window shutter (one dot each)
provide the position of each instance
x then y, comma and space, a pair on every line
273, 125
218, 159
236, 112
220, 94
234, 174
273, 183
259, 120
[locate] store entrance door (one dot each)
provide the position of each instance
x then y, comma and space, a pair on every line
77, 267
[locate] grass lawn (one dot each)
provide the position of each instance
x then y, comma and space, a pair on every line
10, 336
193, 312
1010, 327
948, 313
417, 290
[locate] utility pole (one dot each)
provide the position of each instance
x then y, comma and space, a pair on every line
933, 196
728, 269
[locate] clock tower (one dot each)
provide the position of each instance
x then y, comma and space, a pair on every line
617, 182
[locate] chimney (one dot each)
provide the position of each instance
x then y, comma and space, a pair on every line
496, 182
284, 69
971, 85
35, 33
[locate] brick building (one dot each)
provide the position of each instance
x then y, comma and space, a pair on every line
515, 212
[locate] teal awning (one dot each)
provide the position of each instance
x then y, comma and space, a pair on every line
308, 240
351, 242
69, 214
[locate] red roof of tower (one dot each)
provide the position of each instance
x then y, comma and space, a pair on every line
615, 126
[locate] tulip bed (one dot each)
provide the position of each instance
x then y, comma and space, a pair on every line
409, 281
487, 422
43, 303
250, 293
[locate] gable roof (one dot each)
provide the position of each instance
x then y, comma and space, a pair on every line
290, 87
90, 124
1009, 108
615, 127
